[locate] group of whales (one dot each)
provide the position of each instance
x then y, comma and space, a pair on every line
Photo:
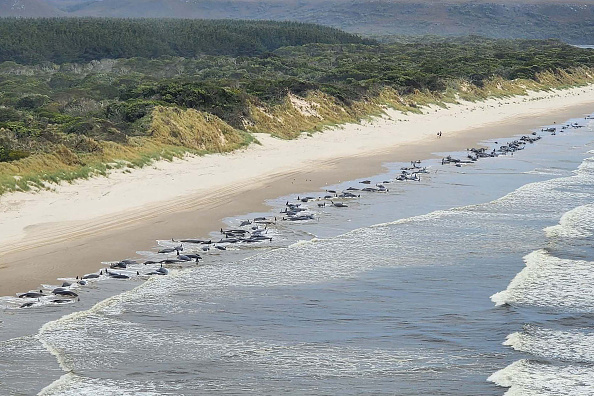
474, 154
247, 232
171, 255
297, 212
256, 230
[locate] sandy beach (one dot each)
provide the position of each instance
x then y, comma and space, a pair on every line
70, 230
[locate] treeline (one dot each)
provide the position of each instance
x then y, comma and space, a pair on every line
68, 40
75, 105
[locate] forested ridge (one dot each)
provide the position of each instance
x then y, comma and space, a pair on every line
80, 115
63, 40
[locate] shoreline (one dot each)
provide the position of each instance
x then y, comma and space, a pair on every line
49, 234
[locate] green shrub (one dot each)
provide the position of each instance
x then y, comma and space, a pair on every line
32, 101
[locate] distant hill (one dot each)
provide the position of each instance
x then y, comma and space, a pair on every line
569, 20
29, 9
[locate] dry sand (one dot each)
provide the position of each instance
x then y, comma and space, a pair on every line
69, 231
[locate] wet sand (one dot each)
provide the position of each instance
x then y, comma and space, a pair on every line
48, 251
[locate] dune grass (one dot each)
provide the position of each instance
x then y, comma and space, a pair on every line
318, 111
174, 133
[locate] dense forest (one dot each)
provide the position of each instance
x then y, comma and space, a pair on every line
63, 40
85, 113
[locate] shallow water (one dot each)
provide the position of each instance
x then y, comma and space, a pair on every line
474, 279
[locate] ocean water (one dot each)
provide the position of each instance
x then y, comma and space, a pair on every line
477, 280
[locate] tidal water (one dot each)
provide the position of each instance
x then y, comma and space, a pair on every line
477, 280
